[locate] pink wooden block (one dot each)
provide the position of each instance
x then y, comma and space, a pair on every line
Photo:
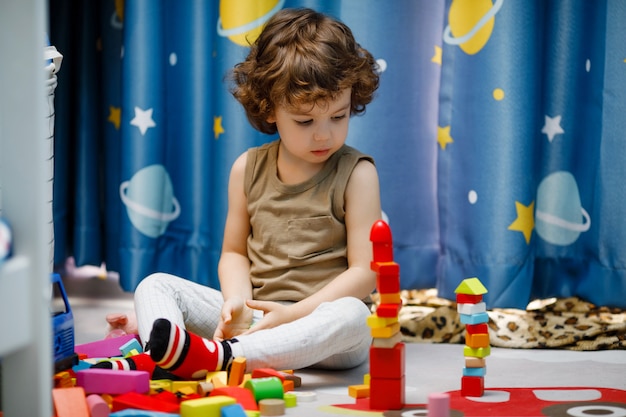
439, 405
97, 406
109, 381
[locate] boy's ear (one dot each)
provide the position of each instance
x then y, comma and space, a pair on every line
271, 118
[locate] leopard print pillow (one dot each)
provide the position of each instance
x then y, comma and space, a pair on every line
568, 323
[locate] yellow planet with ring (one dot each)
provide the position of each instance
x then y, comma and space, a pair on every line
242, 21
470, 24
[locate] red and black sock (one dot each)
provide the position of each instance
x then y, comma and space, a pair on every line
185, 354
139, 362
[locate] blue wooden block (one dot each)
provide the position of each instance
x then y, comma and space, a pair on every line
474, 371
129, 346
233, 410
81, 365
474, 318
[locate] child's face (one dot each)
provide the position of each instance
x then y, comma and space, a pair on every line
314, 132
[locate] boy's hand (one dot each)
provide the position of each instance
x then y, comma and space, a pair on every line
274, 315
235, 319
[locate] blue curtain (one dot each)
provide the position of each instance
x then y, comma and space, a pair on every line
498, 132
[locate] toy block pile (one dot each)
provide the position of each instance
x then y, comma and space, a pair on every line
83, 391
385, 384
473, 313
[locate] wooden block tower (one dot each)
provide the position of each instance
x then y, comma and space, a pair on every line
473, 313
387, 353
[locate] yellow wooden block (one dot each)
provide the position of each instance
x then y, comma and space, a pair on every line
219, 379
185, 387
359, 391
375, 322
159, 385
366, 379
478, 352
390, 298
386, 332
205, 407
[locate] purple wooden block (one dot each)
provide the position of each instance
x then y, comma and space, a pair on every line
110, 381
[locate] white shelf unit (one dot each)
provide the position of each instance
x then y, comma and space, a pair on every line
25, 323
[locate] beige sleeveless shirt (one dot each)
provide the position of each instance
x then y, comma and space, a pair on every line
297, 242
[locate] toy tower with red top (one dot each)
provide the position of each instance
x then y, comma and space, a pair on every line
387, 353
473, 313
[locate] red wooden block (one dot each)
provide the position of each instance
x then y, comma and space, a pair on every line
388, 310
380, 236
469, 298
242, 395
472, 386
386, 285
387, 394
267, 372
389, 268
387, 363
143, 402
477, 328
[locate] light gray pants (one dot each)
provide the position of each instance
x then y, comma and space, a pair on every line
334, 336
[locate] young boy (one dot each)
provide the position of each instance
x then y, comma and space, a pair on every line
295, 265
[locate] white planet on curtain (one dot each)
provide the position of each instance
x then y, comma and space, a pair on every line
149, 200
559, 215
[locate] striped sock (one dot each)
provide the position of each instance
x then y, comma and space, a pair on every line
139, 362
185, 354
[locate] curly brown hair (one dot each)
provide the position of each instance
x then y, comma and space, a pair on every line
302, 57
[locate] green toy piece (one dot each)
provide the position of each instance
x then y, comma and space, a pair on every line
471, 286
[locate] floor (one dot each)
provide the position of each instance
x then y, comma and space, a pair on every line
513, 375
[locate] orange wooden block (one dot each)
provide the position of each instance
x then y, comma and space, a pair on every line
390, 298
477, 340
359, 391
288, 385
70, 402
237, 371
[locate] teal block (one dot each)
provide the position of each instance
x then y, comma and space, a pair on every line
474, 371
474, 318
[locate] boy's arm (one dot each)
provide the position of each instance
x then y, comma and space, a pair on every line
234, 265
363, 209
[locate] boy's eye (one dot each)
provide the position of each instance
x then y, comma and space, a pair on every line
339, 117
304, 122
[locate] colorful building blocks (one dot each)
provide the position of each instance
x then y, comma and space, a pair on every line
385, 385
473, 313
